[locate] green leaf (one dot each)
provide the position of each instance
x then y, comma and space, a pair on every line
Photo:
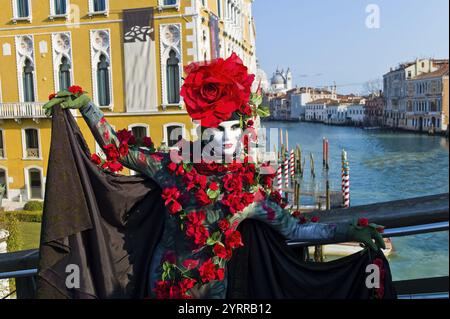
213, 194
213, 217
216, 236
256, 99
263, 111
210, 242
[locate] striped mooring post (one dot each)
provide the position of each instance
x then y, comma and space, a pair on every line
345, 180
292, 166
280, 179
286, 169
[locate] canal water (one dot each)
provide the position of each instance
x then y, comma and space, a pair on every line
384, 166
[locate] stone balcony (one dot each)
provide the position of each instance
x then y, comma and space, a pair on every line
22, 110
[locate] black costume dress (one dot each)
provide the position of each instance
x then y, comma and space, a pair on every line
109, 226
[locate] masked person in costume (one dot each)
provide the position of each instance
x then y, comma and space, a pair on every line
206, 201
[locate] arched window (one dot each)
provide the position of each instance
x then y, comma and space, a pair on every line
64, 74
28, 81
4, 182
23, 9
2, 147
173, 134
103, 89
32, 143
99, 5
60, 6
173, 78
35, 183
139, 132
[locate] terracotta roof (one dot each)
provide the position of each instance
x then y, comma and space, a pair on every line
438, 73
323, 101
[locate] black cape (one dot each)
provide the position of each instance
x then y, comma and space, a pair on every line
107, 228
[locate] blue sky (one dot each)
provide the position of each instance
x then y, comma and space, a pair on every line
327, 40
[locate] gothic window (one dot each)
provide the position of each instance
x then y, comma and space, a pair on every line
103, 89
99, 5
174, 133
139, 132
64, 74
60, 7
28, 81
2, 147
23, 8
173, 78
31, 143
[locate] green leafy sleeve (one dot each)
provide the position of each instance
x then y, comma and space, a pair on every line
138, 159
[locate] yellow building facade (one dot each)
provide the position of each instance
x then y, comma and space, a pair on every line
128, 55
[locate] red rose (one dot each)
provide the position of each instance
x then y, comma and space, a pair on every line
246, 110
170, 194
315, 219
232, 183
96, 159
214, 186
296, 214
123, 149
201, 180
363, 222
124, 136
147, 141
111, 152
267, 181
180, 171
174, 207
234, 203
75, 89
197, 218
213, 91
52, 96
186, 284
162, 289
170, 257
220, 251
113, 166
224, 225
380, 230
233, 239
190, 264
202, 198
220, 274
172, 167
302, 220
207, 271
250, 123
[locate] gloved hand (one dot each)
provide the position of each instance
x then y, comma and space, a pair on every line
67, 101
367, 235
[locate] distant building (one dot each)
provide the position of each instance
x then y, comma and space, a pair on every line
336, 114
281, 81
395, 88
427, 101
355, 114
373, 110
316, 111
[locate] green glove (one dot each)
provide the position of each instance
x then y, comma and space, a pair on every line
67, 101
367, 235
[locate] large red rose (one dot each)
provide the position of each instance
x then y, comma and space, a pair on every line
213, 91
232, 183
202, 198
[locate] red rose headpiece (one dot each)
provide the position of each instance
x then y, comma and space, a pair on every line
214, 91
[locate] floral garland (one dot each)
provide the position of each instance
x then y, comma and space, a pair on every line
113, 153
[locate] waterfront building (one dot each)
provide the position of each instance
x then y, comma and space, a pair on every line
373, 110
336, 114
355, 113
316, 111
427, 101
130, 60
395, 88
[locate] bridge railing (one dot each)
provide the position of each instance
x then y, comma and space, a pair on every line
402, 218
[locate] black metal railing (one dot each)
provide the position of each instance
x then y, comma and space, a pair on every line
402, 218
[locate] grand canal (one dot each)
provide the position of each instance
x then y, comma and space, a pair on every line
384, 166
